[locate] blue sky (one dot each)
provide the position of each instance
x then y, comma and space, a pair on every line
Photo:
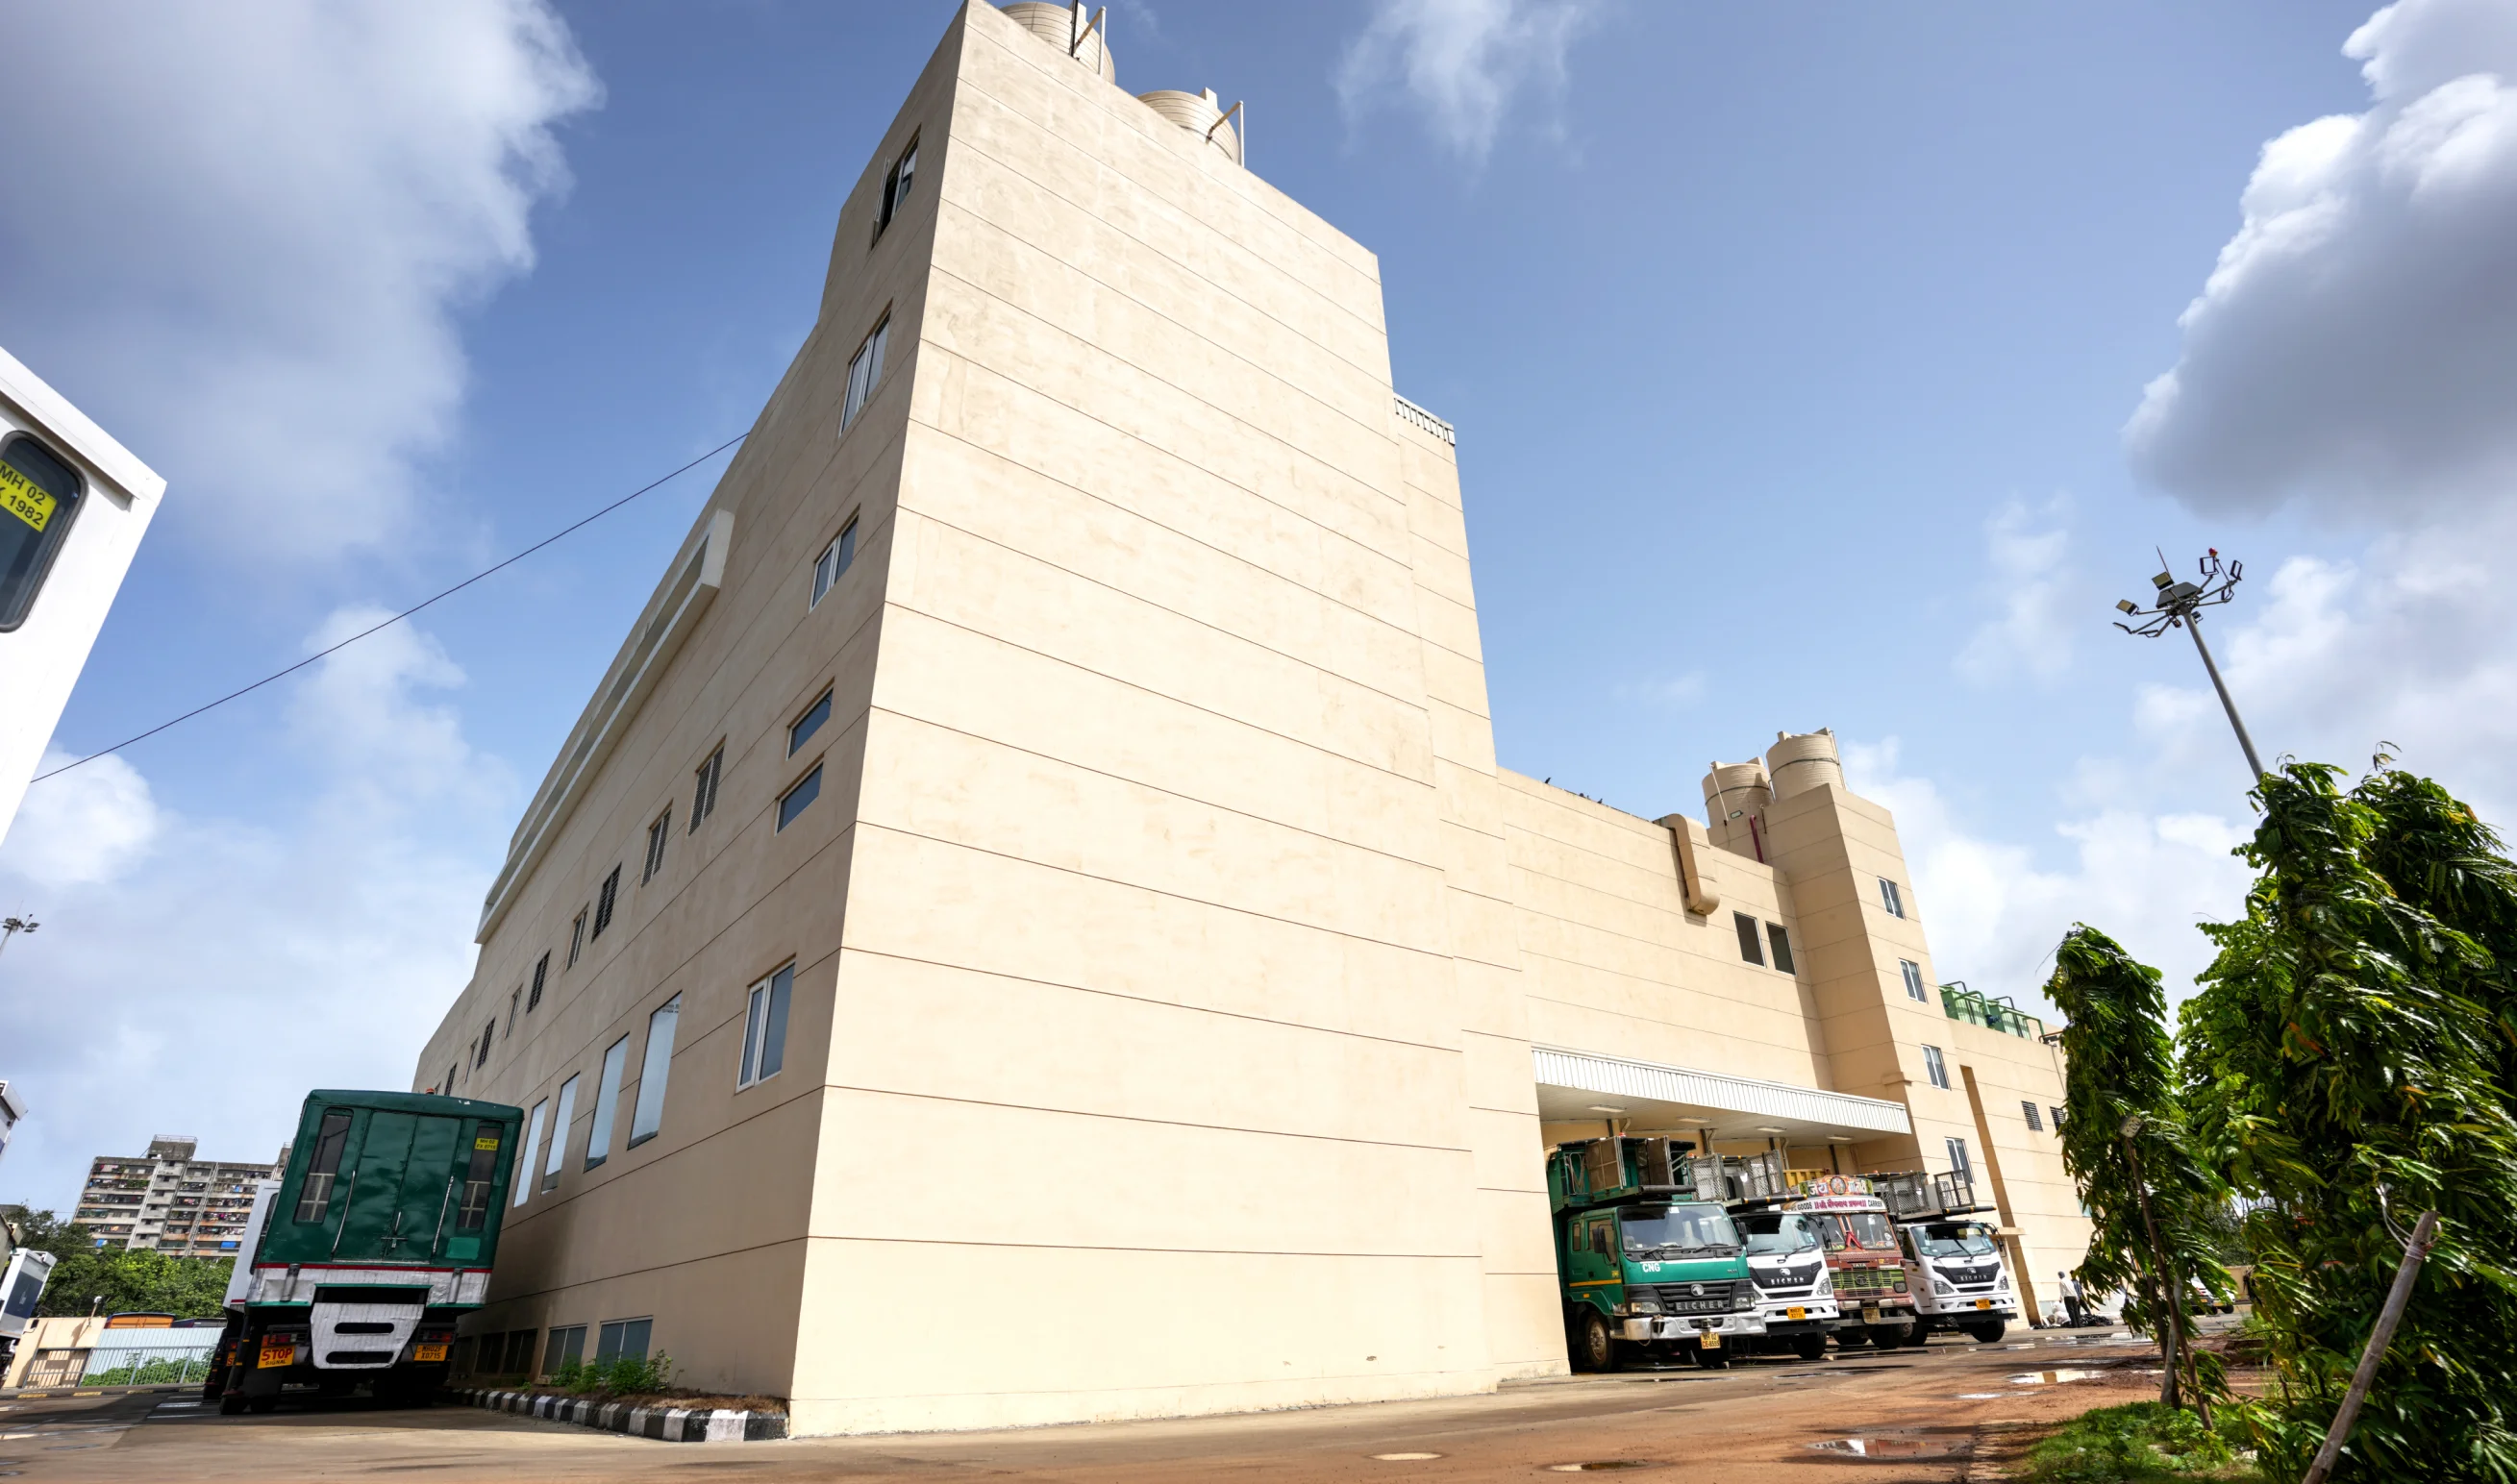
1793, 351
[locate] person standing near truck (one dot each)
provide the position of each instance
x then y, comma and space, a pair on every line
2074, 1312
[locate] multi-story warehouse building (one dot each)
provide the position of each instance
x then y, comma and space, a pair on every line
169, 1200
1031, 926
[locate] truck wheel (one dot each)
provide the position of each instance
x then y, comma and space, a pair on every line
1917, 1335
232, 1406
261, 1405
1851, 1338
1810, 1346
1712, 1360
1887, 1337
1989, 1332
1595, 1347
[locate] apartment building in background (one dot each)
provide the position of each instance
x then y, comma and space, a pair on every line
1031, 929
170, 1202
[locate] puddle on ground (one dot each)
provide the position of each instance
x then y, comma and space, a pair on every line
1981, 1396
1403, 1458
1605, 1465
1896, 1450
2053, 1377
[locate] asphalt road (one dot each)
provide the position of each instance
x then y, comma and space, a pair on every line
1915, 1413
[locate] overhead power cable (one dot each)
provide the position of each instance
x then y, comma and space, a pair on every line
282, 674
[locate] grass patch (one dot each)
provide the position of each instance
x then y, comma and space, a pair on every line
2144, 1443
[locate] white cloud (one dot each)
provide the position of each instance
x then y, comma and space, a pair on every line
202, 973
1669, 694
242, 234
2353, 344
1463, 63
2034, 593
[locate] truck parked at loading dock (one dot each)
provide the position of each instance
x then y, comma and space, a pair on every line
1646, 1267
1953, 1258
1863, 1258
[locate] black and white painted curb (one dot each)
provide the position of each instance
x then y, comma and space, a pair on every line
667, 1424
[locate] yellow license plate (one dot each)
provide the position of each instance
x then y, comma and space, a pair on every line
272, 1356
1983, 1303
1712, 1341
1870, 1313
428, 1353
1797, 1313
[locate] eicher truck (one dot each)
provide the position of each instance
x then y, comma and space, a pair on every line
1953, 1256
1864, 1258
1648, 1266
357, 1262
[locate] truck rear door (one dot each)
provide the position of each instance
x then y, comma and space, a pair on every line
397, 1182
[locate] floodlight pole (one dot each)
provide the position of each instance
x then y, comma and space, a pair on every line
2181, 605
11, 927
2193, 626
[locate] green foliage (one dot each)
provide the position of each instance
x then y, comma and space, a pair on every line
2439, 857
2136, 1445
154, 1373
2121, 1067
135, 1280
629, 1376
2338, 1068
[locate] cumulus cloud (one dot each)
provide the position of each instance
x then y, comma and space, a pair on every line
319, 939
243, 234
1463, 63
2034, 593
2357, 342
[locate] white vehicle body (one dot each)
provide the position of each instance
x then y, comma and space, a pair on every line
1794, 1290
1958, 1276
22, 1288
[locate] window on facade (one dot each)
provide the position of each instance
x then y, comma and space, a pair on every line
576, 938
605, 900
1959, 1163
703, 788
657, 835
1781, 943
607, 1103
865, 373
489, 1037
1891, 897
1935, 1067
560, 1123
835, 558
515, 1003
332, 1138
802, 732
1750, 950
764, 1028
566, 1345
622, 1339
896, 183
541, 972
448, 1085
800, 798
39, 498
479, 1170
2057, 1115
1914, 987
533, 1151
2036, 1119
520, 1352
648, 1115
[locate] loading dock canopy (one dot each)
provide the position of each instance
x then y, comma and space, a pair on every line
1573, 1086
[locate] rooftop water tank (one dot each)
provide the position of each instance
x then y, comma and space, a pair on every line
1199, 113
1735, 788
1061, 27
1798, 764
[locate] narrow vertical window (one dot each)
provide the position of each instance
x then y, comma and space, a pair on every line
604, 901
803, 727
515, 1003
1959, 1163
331, 1139
1781, 943
2035, 1122
703, 788
541, 972
1750, 950
1934, 1067
649, 1116
864, 372
657, 835
834, 562
576, 936
896, 184
1914, 987
558, 1134
489, 1038
607, 1103
567, 1347
796, 800
533, 1148
764, 1028
39, 498
2056, 1114
479, 1171
1890, 898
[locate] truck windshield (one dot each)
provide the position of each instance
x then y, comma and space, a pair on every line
1866, 1229
1678, 1229
1953, 1238
1775, 1233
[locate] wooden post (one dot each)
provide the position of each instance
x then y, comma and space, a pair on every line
2398, 1299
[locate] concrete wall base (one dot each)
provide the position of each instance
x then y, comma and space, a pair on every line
665, 1424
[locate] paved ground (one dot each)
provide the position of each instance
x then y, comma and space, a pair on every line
1948, 1412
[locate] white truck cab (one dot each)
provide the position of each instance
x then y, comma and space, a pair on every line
1795, 1295
1960, 1282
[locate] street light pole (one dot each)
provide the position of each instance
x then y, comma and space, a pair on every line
11, 927
2180, 606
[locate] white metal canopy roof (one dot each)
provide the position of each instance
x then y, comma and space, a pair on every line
1572, 1084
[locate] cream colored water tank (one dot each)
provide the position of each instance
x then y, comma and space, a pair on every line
1735, 788
1799, 763
1196, 112
1059, 25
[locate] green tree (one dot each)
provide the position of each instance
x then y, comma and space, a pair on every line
135, 1280
2437, 855
2125, 1143
2339, 1074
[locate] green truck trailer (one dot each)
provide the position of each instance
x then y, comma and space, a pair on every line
1646, 1268
378, 1235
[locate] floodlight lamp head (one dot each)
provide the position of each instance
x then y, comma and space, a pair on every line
2127, 604
2162, 580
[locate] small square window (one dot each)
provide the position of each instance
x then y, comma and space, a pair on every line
801, 730
622, 1339
604, 901
865, 373
2036, 1119
566, 1344
801, 797
1959, 1163
834, 562
657, 833
1915, 990
703, 788
1891, 897
1781, 943
1935, 1067
764, 1028
1750, 950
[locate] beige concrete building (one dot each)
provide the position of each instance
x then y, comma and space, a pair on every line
169, 1200
1031, 926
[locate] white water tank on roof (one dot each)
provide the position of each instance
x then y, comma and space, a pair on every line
1799, 763
1062, 26
1735, 788
1197, 112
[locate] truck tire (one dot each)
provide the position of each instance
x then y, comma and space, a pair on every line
1918, 1336
1810, 1346
1851, 1338
1712, 1360
1989, 1332
232, 1404
1887, 1337
1595, 1345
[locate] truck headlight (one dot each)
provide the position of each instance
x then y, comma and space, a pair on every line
1938, 1286
1642, 1303
2005, 1283
1900, 1283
